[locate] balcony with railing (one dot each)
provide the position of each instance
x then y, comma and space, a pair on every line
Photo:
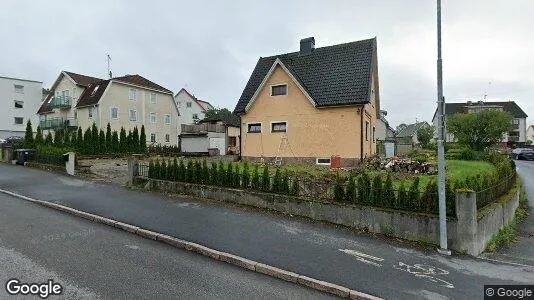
53, 123
204, 127
60, 102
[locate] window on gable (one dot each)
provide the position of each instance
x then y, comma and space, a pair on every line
153, 119
90, 112
19, 104
19, 88
278, 90
133, 115
279, 127
254, 127
114, 113
94, 90
153, 98
167, 119
133, 94
195, 116
188, 104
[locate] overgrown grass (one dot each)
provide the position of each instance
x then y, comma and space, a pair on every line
508, 234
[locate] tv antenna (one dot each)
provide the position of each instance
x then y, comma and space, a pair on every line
109, 67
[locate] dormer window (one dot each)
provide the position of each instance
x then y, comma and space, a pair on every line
94, 90
279, 90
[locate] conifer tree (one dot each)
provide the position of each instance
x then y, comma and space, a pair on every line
123, 143
413, 195
28, 137
221, 174
277, 182
87, 142
255, 182
94, 139
350, 195
48, 140
115, 144
39, 136
265, 179
109, 139
135, 140
214, 175
246, 176
102, 141
142, 140
295, 188
205, 172
182, 175
376, 192
79, 140
388, 194
190, 172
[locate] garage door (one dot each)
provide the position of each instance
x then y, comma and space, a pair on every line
218, 142
195, 144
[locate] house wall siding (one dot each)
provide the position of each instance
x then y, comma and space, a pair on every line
311, 132
31, 97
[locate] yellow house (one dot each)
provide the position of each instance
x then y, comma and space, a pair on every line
123, 102
310, 105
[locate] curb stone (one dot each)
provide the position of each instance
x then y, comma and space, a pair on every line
248, 264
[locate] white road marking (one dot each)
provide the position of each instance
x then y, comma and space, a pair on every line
365, 258
427, 272
132, 247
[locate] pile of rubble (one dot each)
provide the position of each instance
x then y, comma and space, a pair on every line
401, 165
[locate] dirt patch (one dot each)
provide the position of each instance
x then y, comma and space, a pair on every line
108, 170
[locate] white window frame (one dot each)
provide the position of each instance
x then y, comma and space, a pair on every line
19, 102
153, 98
155, 119
165, 119
130, 115
153, 135
322, 163
111, 113
271, 127
515, 122
255, 123
15, 120
132, 94
20, 91
279, 84
167, 138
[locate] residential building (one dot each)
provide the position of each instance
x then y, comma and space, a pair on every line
191, 108
124, 102
232, 126
518, 134
383, 130
409, 132
21, 98
530, 134
310, 105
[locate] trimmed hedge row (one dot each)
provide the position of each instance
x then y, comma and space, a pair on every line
226, 175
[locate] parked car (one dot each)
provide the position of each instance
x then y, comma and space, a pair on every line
523, 154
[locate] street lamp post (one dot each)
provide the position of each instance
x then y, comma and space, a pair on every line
441, 150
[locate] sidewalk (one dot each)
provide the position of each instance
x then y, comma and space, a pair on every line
357, 261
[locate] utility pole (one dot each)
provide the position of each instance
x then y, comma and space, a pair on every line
441, 150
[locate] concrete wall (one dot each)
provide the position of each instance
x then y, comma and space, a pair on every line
312, 132
30, 96
465, 233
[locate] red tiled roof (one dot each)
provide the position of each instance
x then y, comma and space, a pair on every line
82, 79
45, 106
92, 93
141, 81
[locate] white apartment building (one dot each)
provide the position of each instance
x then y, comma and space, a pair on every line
191, 108
21, 99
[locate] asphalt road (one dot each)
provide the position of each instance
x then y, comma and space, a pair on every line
340, 256
522, 251
94, 261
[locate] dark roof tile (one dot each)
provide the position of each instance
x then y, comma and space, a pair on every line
333, 75
461, 107
141, 81
92, 93
82, 79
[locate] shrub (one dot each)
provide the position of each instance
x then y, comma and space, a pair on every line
277, 182
376, 191
142, 140
151, 169
295, 188
190, 172
28, 137
364, 189
426, 197
205, 172
450, 198
413, 195
402, 198
214, 175
255, 182
48, 140
221, 174
163, 170
229, 178
265, 179
388, 194
39, 140
198, 172
246, 176
339, 191
182, 171
123, 145
102, 142
350, 195
285, 188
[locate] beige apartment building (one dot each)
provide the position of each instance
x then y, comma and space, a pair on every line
128, 101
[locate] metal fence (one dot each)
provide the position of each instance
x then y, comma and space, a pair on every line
142, 171
49, 160
489, 195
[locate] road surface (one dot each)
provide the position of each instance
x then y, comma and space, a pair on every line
358, 261
95, 261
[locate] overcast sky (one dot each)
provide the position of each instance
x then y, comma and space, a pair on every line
211, 47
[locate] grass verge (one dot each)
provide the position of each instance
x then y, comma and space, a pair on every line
508, 234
